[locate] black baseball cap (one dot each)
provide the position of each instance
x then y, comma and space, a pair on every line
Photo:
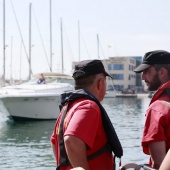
153, 57
87, 68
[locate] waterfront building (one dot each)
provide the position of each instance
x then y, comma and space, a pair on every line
121, 69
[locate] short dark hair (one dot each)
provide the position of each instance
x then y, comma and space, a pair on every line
159, 66
84, 82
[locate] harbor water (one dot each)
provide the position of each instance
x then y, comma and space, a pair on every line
26, 145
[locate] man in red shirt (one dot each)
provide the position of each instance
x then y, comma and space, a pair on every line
155, 70
83, 128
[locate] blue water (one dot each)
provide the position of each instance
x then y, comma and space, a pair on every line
26, 145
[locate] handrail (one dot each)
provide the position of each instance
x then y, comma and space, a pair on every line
136, 167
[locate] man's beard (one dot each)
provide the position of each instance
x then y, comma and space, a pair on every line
154, 84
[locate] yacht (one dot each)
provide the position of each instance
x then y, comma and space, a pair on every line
33, 101
110, 94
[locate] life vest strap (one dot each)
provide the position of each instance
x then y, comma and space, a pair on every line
105, 148
63, 156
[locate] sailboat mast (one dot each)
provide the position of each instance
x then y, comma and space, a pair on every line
79, 38
3, 76
20, 60
11, 61
98, 46
62, 46
29, 42
50, 39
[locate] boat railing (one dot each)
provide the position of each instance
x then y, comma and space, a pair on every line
136, 167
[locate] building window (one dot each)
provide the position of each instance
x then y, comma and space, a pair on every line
115, 67
131, 67
118, 87
110, 87
132, 61
118, 76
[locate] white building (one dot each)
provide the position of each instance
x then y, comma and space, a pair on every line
121, 69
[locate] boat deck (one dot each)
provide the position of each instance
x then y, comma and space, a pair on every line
126, 95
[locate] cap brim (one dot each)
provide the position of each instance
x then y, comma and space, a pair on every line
141, 68
108, 75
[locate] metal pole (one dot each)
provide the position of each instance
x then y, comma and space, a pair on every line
11, 61
50, 39
4, 47
98, 46
20, 59
62, 46
30, 43
79, 38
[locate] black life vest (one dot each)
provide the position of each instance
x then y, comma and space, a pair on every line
113, 145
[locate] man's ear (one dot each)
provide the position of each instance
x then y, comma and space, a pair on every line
99, 84
163, 74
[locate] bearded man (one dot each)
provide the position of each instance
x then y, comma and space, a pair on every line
155, 69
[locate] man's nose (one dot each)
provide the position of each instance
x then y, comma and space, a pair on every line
143, 76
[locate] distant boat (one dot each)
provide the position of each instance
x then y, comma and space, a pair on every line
110, 94
127, 93
32, 101
151, 94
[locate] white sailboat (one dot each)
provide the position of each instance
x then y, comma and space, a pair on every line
32, 101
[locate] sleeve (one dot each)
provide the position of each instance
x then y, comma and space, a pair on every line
84, 123
153, 128
54, 136
52, 139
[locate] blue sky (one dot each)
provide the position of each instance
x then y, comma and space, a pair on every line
124, 27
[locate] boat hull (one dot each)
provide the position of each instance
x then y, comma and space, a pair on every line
110, 94
126, 95
32, 108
